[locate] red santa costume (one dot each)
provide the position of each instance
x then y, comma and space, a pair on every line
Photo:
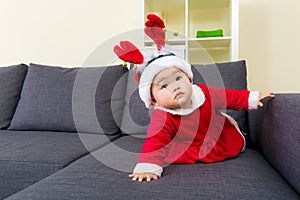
178, 136
201, 134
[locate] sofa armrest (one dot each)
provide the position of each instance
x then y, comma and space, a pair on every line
275, 129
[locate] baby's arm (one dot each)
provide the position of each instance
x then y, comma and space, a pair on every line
151, 160
143, 176
237, 99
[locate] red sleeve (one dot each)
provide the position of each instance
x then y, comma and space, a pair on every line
227, 99
159, 134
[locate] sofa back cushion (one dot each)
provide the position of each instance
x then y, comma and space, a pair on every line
11, 82
232, 75
71, 99
136, 117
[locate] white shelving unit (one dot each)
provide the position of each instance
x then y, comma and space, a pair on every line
188, 16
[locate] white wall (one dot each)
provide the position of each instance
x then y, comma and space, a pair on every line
65, 32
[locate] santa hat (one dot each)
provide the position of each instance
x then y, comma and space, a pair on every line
151, 61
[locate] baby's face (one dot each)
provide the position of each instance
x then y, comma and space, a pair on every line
172, 88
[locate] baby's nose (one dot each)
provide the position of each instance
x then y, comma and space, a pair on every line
175, 88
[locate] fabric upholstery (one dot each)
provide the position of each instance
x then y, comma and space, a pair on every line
29, 156
275, 129
11, 82
247, 177
69, 165
71, 99
136, 117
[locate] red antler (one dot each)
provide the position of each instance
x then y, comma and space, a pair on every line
154, 21
155, 30
128, 52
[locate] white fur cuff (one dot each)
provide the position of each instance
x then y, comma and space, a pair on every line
148, 168
253, 100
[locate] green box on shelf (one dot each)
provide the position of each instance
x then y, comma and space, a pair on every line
213, 33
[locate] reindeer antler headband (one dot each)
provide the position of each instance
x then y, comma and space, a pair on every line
159, 59
155, 29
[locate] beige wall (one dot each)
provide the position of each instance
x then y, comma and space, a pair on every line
65, 32
269, 41
62, 32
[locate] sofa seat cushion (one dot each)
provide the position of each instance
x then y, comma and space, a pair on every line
28, 156
248, 176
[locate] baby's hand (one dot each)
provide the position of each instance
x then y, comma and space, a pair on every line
264, 96
143, 176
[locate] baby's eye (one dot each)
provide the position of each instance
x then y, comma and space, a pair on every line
178, 78
164, 86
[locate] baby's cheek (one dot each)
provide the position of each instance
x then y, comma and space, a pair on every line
166, 97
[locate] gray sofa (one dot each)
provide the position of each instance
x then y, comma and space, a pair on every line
75, 133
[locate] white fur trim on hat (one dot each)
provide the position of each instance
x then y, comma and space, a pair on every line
154, 68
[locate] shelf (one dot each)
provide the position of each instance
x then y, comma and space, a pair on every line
188, 16
173, 41
209, 4
172, 12
210, 42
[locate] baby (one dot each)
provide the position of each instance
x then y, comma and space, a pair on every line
186, 125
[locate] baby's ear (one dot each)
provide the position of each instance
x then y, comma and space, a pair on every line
190, 80
153, 101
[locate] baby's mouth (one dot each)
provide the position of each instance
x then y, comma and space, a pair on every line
178, 95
